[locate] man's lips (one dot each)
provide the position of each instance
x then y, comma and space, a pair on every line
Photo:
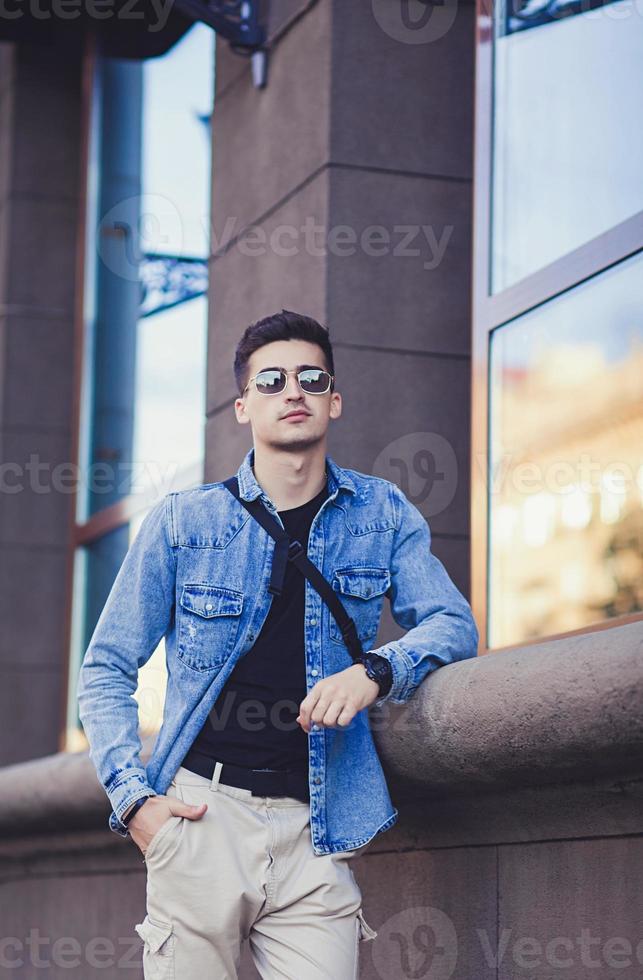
296, 415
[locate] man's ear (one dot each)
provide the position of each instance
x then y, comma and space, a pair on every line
240, 412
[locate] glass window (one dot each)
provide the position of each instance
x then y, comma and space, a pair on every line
95, 568
566, 466
144, 374
567, 146
171, 344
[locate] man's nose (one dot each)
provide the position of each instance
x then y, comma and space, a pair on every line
292, 389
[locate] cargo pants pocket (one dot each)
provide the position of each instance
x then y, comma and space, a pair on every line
158, 949
364, 931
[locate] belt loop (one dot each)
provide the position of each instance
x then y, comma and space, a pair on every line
214, 783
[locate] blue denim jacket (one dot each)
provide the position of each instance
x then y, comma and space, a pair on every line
197, 574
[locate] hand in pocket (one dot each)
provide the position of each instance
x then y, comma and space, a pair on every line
156, 810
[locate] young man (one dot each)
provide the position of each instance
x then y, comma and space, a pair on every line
264, 778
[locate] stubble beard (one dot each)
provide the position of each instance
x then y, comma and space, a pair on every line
298, 444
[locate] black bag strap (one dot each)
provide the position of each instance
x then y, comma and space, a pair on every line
287, 550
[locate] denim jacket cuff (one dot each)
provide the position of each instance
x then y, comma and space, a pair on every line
131, 785
402, 673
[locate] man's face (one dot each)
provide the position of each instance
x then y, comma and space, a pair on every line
267, 413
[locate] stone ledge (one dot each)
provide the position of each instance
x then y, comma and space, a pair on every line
560, 712
58, 793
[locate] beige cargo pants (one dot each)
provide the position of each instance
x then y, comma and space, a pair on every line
247, 870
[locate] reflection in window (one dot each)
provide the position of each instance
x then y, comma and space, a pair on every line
143, 397
566, 461
567, 144
522, 15
95, 568
171, 344
152, 676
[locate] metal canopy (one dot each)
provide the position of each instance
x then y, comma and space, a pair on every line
135, 29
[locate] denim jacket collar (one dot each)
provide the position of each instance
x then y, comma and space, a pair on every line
249, 488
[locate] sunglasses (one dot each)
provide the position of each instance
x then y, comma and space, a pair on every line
313, 381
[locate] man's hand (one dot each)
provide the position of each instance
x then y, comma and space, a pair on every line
153, 814
334, 701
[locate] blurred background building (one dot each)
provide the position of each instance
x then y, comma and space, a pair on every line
455, 192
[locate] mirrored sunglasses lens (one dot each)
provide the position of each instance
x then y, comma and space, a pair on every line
270, 382
313, 381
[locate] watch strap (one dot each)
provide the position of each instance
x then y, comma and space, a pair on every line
135, 808
379, 669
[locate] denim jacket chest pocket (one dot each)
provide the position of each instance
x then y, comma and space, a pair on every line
209, 621
361, 591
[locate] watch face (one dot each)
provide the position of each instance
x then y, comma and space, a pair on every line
377, 668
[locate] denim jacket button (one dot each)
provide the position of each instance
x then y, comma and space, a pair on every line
317, 780
314, 673
313, 622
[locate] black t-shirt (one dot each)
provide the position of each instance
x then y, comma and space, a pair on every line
252, 722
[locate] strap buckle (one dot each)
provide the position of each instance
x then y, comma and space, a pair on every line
295, 549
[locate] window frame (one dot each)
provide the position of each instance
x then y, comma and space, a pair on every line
490, 311
83, 533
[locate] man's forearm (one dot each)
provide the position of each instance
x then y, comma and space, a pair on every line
425, 601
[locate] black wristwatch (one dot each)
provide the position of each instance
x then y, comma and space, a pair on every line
135, 808
379, 670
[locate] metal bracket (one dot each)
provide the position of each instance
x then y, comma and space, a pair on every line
237, 20
169, 280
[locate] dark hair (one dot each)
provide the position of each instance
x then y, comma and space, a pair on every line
286, 325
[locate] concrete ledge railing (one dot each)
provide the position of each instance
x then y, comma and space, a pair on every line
563, 710
58, 792
560, 711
